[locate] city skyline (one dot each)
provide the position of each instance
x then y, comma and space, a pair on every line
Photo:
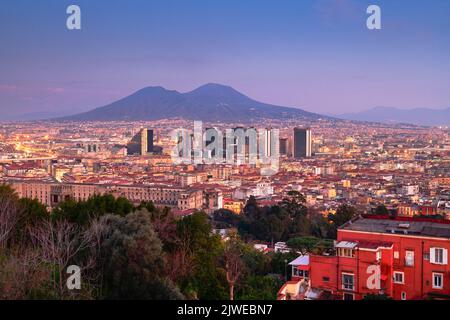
287, 55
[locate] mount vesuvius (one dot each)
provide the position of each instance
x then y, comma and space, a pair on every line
211, 102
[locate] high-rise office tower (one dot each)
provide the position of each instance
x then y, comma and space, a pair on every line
141, 143
283, 146
268, 142
302, 143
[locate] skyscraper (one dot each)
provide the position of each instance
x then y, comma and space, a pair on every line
141, 143
283, 146
302, 143
268, 142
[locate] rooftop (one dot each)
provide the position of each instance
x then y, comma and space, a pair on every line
404, 226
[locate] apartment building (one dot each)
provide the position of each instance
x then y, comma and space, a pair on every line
403, 258
51, 194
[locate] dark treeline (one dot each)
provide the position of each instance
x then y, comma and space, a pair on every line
145, 252
125, 252
288, 220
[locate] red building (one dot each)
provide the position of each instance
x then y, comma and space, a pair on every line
428, 210
403, 258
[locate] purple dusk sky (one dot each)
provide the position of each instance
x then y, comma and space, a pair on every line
314, 54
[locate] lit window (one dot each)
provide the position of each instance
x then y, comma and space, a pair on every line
438, 281
399, 277
379, 255
347, 281
343, 252
409, 258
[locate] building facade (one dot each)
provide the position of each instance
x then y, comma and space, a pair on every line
51, 194
302, 143
141, 143
402, 258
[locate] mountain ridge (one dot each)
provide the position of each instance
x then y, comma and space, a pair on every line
392, 115
209, 102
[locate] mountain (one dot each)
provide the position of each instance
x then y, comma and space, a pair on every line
420, 116
211, 102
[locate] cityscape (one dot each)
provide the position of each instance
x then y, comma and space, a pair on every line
206, 193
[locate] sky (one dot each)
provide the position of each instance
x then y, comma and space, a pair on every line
313, 54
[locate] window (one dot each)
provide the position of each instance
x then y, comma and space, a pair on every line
349, 296
399, 277
438, 255
326, 279
378, 255
396, 255
438, 281
409, 258
403, 295
299, 273
347, 281
343, 252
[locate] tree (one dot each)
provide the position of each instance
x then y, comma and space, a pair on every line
226, 219
304, 244
343, 214
251, 205
233, 263
32, 214
81, 212
206, 279
258, 287
23, 276
320, 226
275, 223
134, 260
256, 262
164, 223
59, 245
381, 210
9, 214
280, 260
181, 260
307, 245
294, 203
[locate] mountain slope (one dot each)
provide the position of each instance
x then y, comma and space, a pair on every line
420, 116
211, 102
